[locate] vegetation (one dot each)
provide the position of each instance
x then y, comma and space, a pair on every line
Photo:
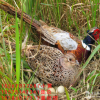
75, 16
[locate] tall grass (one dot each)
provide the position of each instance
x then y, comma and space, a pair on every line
94, 8
4, 47
74, 16
17, 54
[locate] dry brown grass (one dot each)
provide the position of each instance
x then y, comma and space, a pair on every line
75, 16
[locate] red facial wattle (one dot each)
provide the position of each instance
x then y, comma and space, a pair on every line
96, 34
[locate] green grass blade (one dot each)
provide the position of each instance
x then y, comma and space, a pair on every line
17, 54
67, 94
4, 75
90, 75
90, 57
4, 47
94, 82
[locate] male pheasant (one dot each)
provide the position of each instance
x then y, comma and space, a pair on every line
65, 41
52, 66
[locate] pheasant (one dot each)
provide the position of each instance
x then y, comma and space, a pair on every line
64, 41
67, 42
52, 66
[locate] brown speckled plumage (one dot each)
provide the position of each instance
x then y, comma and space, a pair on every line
52, 65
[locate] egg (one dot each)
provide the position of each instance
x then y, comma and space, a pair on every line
51, 92
60, 89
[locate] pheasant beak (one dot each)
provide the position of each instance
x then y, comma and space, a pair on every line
77, 63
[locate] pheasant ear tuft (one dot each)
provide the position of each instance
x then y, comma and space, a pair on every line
88, 31
96, 34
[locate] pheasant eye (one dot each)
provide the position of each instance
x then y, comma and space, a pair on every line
70, 59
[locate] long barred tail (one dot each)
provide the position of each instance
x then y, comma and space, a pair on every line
11, 10
40, 26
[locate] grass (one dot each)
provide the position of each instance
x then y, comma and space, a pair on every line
73, 16
17, 54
